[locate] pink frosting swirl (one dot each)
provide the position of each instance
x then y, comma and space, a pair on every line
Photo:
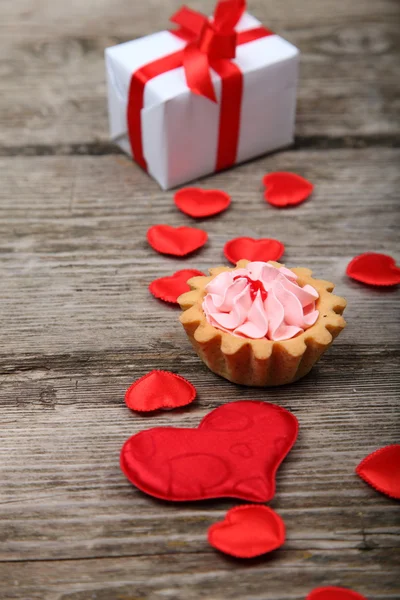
260, 301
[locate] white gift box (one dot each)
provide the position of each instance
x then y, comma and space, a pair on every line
180, 129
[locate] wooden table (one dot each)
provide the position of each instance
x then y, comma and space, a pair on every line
78, 324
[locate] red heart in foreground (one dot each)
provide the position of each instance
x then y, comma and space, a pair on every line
286, 189
177, 241
374, 269
198, 203
248, 531
381, 469
235, 451
251, 249
334, 593
170, 288
159, 389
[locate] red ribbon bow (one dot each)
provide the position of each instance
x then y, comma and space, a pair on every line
210, 45
210, 42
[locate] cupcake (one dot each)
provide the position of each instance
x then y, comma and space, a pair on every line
261, 324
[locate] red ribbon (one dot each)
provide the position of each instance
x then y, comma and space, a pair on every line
210, 45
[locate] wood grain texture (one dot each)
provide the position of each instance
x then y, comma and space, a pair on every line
53, 81
78, 324
75, 252
193, 576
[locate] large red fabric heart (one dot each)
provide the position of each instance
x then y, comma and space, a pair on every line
334, 593
251, 249
235, 451
248, 531
381, 470
170, 288
286, 189
159, 389
374, 269
177, 241
198, 203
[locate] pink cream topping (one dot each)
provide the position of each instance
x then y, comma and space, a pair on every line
260, 301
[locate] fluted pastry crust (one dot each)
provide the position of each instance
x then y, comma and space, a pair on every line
262, 362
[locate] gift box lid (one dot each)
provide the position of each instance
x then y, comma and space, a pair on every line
125, 59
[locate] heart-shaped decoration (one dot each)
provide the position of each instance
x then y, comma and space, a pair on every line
334, 593
286, 189
235, 451
263, 249
374, 269
381, 470
177, 241
198, 203
248, 531
159, 389
170, 288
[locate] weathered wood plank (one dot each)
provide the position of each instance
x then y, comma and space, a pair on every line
75, 254
52, 90
79, 326
194, 576
64, 496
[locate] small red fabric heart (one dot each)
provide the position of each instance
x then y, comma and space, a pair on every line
248, 531
381, 470
159, 389
263, 249
170, 288
286, 189
177, 241
235, 451
334, 593
198, 203
374, 269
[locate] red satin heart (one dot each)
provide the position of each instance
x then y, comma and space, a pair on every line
334, 593
170, 288
381, 470
374, 269
198, 203
251, 249
235, 451
159, 389
286, 189
177, 241
248, 531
